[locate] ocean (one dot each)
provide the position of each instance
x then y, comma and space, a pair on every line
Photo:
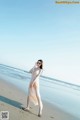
64, 95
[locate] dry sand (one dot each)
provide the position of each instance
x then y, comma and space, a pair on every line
12, 99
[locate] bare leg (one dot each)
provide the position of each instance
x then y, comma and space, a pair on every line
28, 100
39, 101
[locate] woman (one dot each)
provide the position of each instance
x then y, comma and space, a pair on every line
33, 90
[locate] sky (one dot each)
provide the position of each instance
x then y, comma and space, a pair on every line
41, 29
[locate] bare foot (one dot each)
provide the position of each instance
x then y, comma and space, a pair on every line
39, 115
26, 109
40, 111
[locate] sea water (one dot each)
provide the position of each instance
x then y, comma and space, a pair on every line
64, 95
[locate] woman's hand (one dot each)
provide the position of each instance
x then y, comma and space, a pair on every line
35, 64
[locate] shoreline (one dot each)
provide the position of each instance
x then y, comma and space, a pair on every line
12, 99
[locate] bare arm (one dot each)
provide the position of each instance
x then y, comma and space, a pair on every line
31, 70
32, 83
36, 76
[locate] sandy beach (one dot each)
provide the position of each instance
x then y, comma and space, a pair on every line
13, 98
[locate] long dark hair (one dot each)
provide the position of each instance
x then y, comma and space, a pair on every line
41, 67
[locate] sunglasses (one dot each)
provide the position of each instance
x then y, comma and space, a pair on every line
39, 63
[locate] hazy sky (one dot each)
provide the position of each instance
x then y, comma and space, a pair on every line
41, 29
